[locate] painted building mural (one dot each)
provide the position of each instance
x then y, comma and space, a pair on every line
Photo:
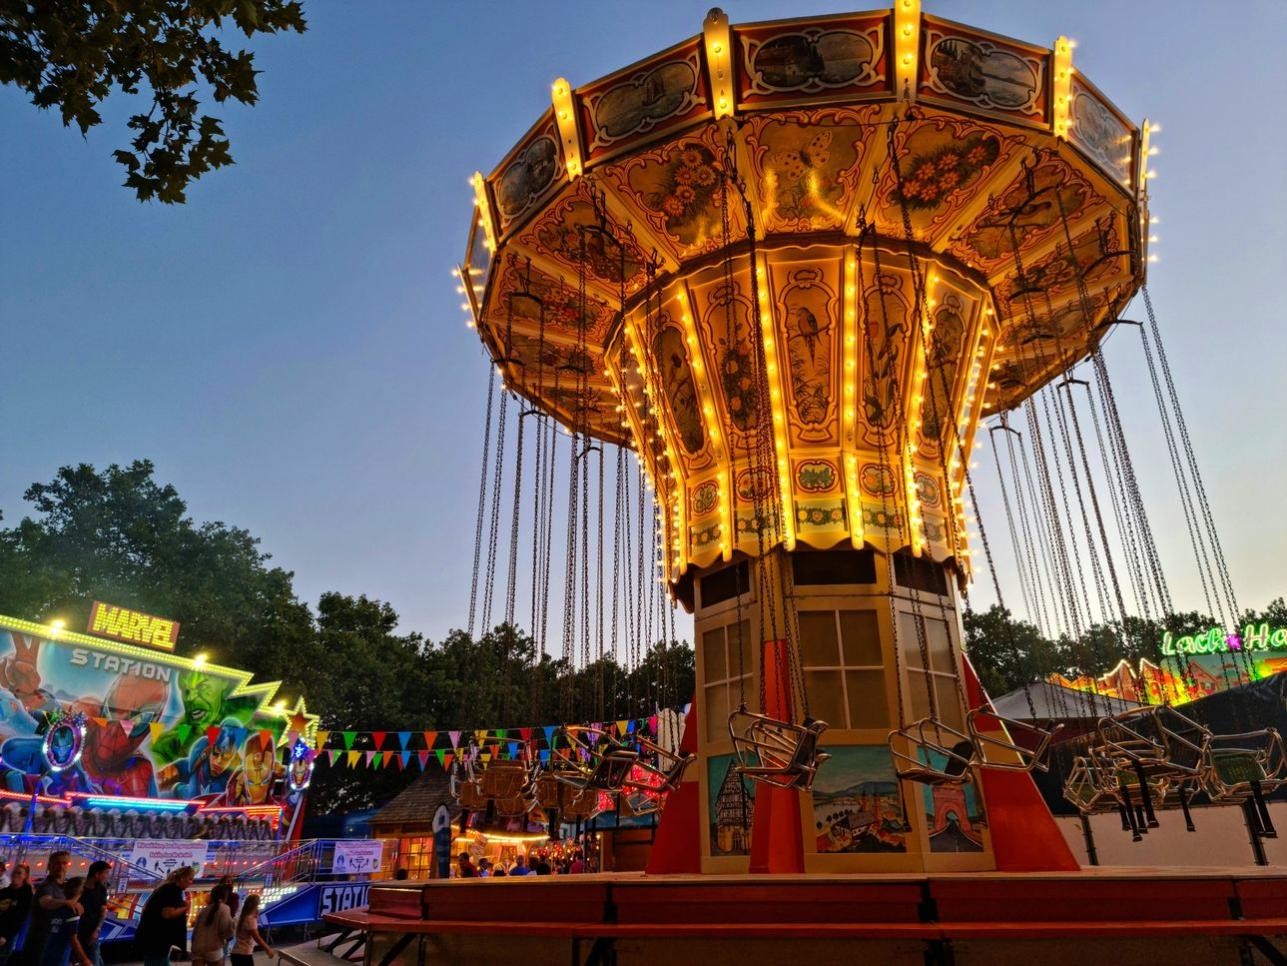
90, 717
856, 803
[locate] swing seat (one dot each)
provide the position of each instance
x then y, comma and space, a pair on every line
585, 805
1088, 788
505, 779
553, 789
600, 762
928, 737
779, 753
1240, 765
1159, 740
471, 797
657, 769
1006, 754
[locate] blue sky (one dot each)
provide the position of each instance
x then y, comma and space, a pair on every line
288, 347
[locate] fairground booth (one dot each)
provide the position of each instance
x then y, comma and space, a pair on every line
114, 747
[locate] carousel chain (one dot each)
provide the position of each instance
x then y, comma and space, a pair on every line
489, 581
482, 498
1021, 560
1036, 557
1190, 457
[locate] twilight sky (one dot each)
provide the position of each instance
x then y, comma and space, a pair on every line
288, 346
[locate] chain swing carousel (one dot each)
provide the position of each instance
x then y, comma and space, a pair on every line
792, 266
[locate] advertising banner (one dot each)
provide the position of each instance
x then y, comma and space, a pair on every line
357, 857
163, 856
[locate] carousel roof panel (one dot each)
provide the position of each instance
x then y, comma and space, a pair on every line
947, 139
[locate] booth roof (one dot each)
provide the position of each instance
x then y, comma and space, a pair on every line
1044, 701
416, 804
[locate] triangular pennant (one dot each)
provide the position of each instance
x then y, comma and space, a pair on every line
322, 738
348, 740
404, 739
481, 736
623, 727
513, 749
430, 738
442, 757
370, 756
455, 738
335, 754
182, 731
353, 758
526, 733
157, 729
549, 734
544, 755
127, 724
652, 724
406, 758
101, 722
212, 734
448, 758
630, 726
486, 756
424, 759
378, 738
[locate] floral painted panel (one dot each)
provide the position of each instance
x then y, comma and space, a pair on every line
676, 190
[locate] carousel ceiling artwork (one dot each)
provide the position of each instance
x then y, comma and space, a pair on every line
943, 220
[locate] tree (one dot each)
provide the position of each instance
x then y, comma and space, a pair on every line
1006, 653
72, 55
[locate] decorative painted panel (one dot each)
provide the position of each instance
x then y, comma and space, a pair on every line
987, 72
814, 60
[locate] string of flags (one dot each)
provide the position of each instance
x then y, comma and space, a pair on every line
407, 749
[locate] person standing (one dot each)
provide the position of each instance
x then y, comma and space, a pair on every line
520, 866
213, 928
93, 900
247, 937
15, 907
163, 923
50, 899
64, 922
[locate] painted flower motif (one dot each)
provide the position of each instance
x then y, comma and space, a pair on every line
685, 194
949, 161
949, 180
977, 155
705, 176
673, 206
685, 175
691, 157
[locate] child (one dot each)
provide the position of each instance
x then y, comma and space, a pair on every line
62, 944
243, 950
213, 928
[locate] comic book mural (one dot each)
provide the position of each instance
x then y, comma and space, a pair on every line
80, 716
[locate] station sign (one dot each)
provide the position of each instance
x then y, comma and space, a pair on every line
338, 898
1215, 641
132, 626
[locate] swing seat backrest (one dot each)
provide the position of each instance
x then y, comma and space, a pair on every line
612, 770
787, 753
1007, 755
932, 737
472, 797
1236, 764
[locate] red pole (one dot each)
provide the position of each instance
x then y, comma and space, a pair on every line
777, 844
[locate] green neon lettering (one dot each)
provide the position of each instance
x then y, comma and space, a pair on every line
1168, 645
1279, 639
1255, 638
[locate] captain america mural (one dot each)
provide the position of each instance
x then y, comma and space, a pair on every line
79, 715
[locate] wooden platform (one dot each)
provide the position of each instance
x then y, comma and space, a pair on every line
931, 913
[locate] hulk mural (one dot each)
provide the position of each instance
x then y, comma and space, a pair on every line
150, 724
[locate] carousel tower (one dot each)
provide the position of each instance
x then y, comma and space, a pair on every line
792, 265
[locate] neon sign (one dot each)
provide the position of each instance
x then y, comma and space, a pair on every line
1216, 641
133, 626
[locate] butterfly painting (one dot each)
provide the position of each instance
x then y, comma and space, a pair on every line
802, 168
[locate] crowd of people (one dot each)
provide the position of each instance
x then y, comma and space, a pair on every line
518, 865
59, 921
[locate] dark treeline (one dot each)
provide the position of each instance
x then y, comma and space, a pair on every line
118, 535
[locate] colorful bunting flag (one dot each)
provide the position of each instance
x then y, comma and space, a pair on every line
354, 757
404, 739
378, 738
430, 738
348, 740
455, 738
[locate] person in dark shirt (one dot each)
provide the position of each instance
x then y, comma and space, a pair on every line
61, 945
164, 921
50, 899
15, 907
93, 900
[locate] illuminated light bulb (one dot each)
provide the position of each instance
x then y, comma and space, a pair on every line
907, 60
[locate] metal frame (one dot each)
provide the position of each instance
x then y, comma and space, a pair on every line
778, 753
